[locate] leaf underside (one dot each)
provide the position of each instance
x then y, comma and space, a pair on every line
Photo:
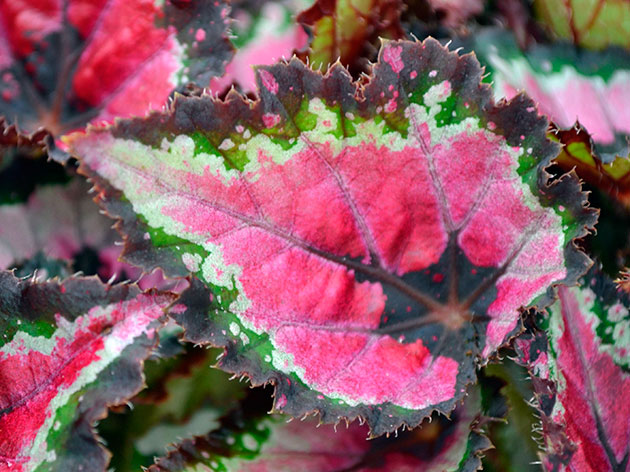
68, 350
581, 371
362, 248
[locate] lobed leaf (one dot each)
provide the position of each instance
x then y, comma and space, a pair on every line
583, 376
361, 248
66, 62
594, 24
68, 350
253, 444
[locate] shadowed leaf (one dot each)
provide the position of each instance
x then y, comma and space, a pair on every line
349, 30
273, 444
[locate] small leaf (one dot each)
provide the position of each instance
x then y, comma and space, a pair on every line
273, 444
348, 30
594, 24
583, 377
579, 153
261, 37
67, 63
68, 350
58, 220
455, 13
360, 248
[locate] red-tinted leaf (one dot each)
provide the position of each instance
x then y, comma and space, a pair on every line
348, 30
583, 378
65, 62
58, 220
272, 444
362, 249
67, 351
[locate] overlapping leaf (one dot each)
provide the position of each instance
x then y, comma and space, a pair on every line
570, 86
66, 62
594, 24
359, 248
254, 444
67, 351
582, 377
348, 30
261, 37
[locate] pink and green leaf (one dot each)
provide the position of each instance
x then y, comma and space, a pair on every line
64, 63
583, 376
569, 85
361, 247
68, 350
273, 444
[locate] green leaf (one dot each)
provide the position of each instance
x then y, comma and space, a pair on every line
594, 24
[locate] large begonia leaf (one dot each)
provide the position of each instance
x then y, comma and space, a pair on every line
581, 369
66, 62
261, 36
594, 24
67, 351
272, 443
348, 30
361, 248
